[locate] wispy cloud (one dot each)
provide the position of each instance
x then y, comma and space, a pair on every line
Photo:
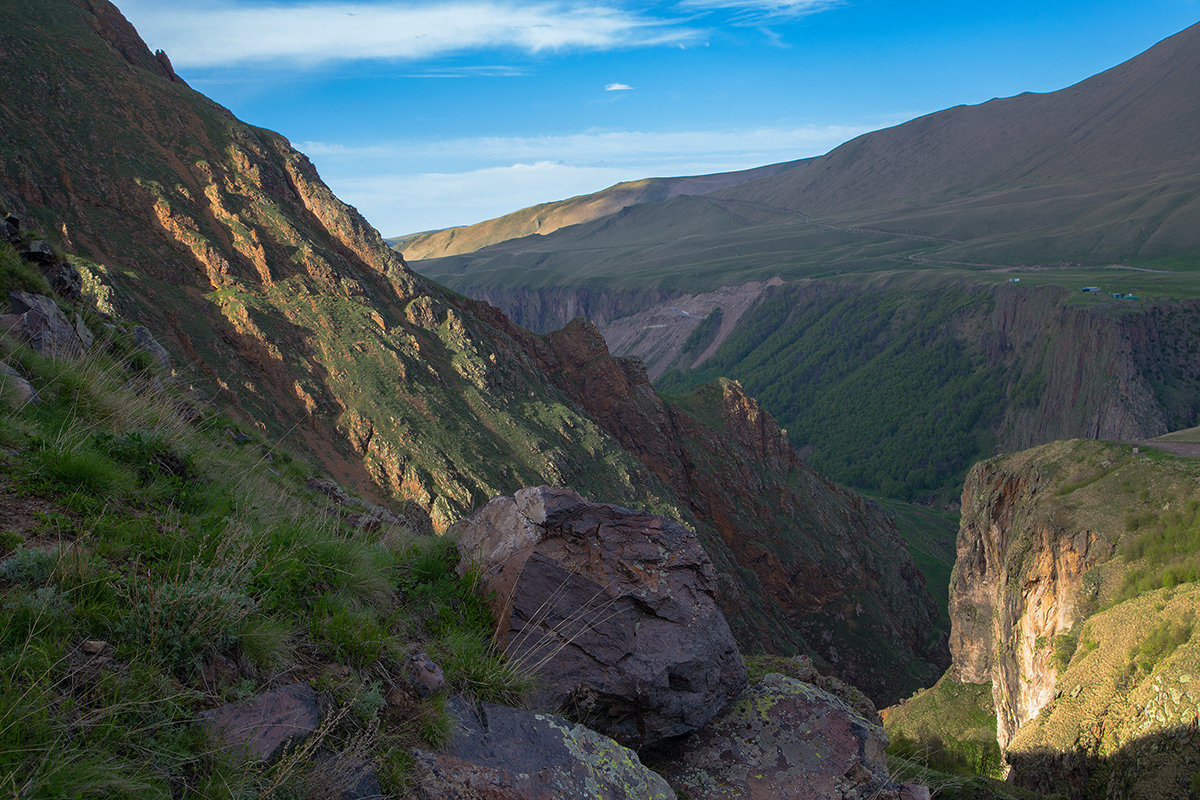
760, 10
618, 87
484, 177
238, 32
594, 147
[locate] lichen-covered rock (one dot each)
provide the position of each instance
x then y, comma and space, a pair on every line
786, 740
501, 753
615, 611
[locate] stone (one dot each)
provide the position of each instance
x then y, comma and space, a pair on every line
40, 322
613, 610
501, 753
342, 777
39, 252
12, 229
423, 676
85, 335
786, 740
258, 729
914, 791
145, 341
64, 278
93, 646
20, 391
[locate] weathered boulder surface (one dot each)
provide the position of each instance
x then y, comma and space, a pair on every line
615, 611
20, 391
786, 740
258, 729
501, 753
38, 320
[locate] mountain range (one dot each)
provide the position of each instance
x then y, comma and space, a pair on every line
960, 238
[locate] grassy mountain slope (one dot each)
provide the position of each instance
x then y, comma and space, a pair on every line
156, 562
549, 217
1100, 172
280, 299
940, 260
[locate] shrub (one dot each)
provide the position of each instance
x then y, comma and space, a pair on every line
181, 617
29, 566
1160, 643
1065, 645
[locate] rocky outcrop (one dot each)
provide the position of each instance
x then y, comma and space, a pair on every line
613, 610
787, 740
37, 320
1016, 586
1073, 596
803, 558
500, 753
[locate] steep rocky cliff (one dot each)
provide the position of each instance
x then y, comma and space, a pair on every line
969, 368
1066, 597
829, 566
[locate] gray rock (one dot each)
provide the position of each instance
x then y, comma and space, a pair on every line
786, 740
12, 229
501, 753
85, 336
39, 252
64, 278
614, 610
20, 391
341, 777
39, 321
145, 341
256, 730
423, 676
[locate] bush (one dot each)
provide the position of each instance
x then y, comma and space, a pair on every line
180, 618
28, 566
1161, 642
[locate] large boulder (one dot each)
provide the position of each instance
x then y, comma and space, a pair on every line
786, 740
501, 753
614, 610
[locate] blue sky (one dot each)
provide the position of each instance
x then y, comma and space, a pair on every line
430, 114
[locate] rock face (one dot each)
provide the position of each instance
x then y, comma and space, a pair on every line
258, 729
785, 740
501, 753
807, 566
614, 609
1071, 599
1016, 585
38, 320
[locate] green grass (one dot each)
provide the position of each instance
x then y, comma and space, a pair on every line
950, 728
173, 545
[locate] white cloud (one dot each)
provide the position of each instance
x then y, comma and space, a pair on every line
759, 9
235, 32
618, 87
487, 177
